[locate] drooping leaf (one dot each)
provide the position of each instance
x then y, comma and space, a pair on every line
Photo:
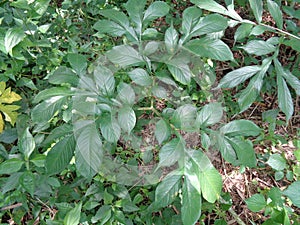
211, 48
11, 166
126, 94
167, 190
124, 55
276, 13
238, 76
240, 128
78, 63
256, 202
171, 152
109, 27
257, 9
293, 193
13, 36
259, 47
73, 216
211, 184
104, 80
140, 77
243, 31
155, 10
110, 129
171, 39
191, 203
285, 100
52, 92
162, 131
210, 114
277, 162
63, 75
60, 155
126, 119
27, 144
44, 111
89, 148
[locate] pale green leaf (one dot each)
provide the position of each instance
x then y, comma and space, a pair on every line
211, 48
73, 216
210, 114
116, 16
259, 47
190, 18
63, 75
162, 131
243, 31
110, 129
105, 80
52, 92
257, 9
171, 152
78, 63
181, 72
256, 202
171, 39
276, 13
126, 119
11, 166
240, 128
191, 203
185, 117
60, 155
27, 144
277, 162
155, 10
135, 10
140, 77
285, 100
238, 76
13, 36
211, 184
126, 94
109, 27
293, 193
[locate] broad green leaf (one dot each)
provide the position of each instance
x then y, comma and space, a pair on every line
167, 190
211, 184
238, 76
171, 152
78, 63
191, 203
126, 94
124, 55
103, 214
259, 47
159, 92
11, 166
256, 202
58, 132
27, 181
285, 100
109, 27
60, 155
151, 47
257, 9
52, 92
155, 10
135, 10
126, 119
210, 114
27, 144
250, 93
110, 129
185, 117
171, 39
73, 216
140, 77
211, 48
63, 75
293, 81
240, 128
41, 6
44, 111
213, 6
89, 148
104, 80
181, 72
209, 24
276, 13
277, 162
199, 160
162, 131
243, 31
190, 18
13, 36
244, 151
116, 16
293, 193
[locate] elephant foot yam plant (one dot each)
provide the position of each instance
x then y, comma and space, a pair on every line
123, 115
